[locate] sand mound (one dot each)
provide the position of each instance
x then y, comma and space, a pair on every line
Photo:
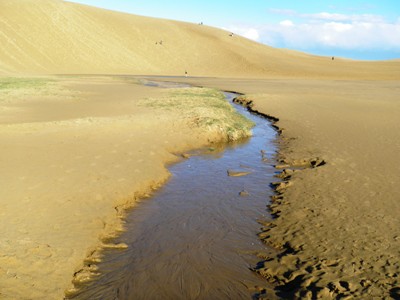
53, 36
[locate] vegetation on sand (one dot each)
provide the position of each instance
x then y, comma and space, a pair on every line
204, 108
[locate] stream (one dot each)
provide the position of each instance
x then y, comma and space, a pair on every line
196, 237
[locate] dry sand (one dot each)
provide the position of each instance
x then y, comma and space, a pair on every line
57, 37
73, 150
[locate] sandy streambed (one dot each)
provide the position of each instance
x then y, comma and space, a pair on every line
196, 237
75, 152
337, 227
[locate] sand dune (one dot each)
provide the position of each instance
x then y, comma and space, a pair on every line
53, 36
76, 148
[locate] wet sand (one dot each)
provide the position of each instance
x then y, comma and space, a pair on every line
73, 157
336, 229
336, 226
196, 237
76, 152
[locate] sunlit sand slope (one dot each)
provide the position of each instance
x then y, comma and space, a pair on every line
53, 36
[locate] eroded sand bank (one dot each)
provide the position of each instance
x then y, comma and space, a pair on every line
336, 233
74, 153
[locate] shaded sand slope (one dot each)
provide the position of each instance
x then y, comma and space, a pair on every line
52, 36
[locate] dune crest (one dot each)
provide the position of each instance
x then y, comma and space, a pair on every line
53, 36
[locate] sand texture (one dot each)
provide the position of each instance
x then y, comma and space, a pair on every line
77, 150
53, 36
336, 231
338, 224
75, 154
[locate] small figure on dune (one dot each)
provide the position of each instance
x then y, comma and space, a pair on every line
333, 58
231, 34
201, 23
186, 74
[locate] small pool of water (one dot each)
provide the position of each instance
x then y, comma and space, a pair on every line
196, 237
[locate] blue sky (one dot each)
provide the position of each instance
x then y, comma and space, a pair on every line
358, 29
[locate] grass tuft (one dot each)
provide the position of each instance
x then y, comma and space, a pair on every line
205, 108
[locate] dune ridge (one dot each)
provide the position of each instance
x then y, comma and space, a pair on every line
54, 36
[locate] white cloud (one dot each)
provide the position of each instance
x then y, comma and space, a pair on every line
248, 32
327, 16
286, 23
327, 31
338, 27
252, 34
324, 16
333, 31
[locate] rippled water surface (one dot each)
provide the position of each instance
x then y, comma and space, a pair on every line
196, 237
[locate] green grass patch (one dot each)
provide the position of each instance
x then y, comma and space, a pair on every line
204, 108
13, 83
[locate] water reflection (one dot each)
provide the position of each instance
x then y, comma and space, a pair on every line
196, 237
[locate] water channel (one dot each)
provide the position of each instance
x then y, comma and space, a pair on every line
196, 237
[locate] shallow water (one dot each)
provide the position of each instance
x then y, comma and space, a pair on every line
196, 237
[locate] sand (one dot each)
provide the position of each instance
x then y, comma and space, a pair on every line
75, 151
335, 231
336, 226
340, 219
58, 37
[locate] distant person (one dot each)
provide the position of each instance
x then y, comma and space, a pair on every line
333, 58
186, 74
